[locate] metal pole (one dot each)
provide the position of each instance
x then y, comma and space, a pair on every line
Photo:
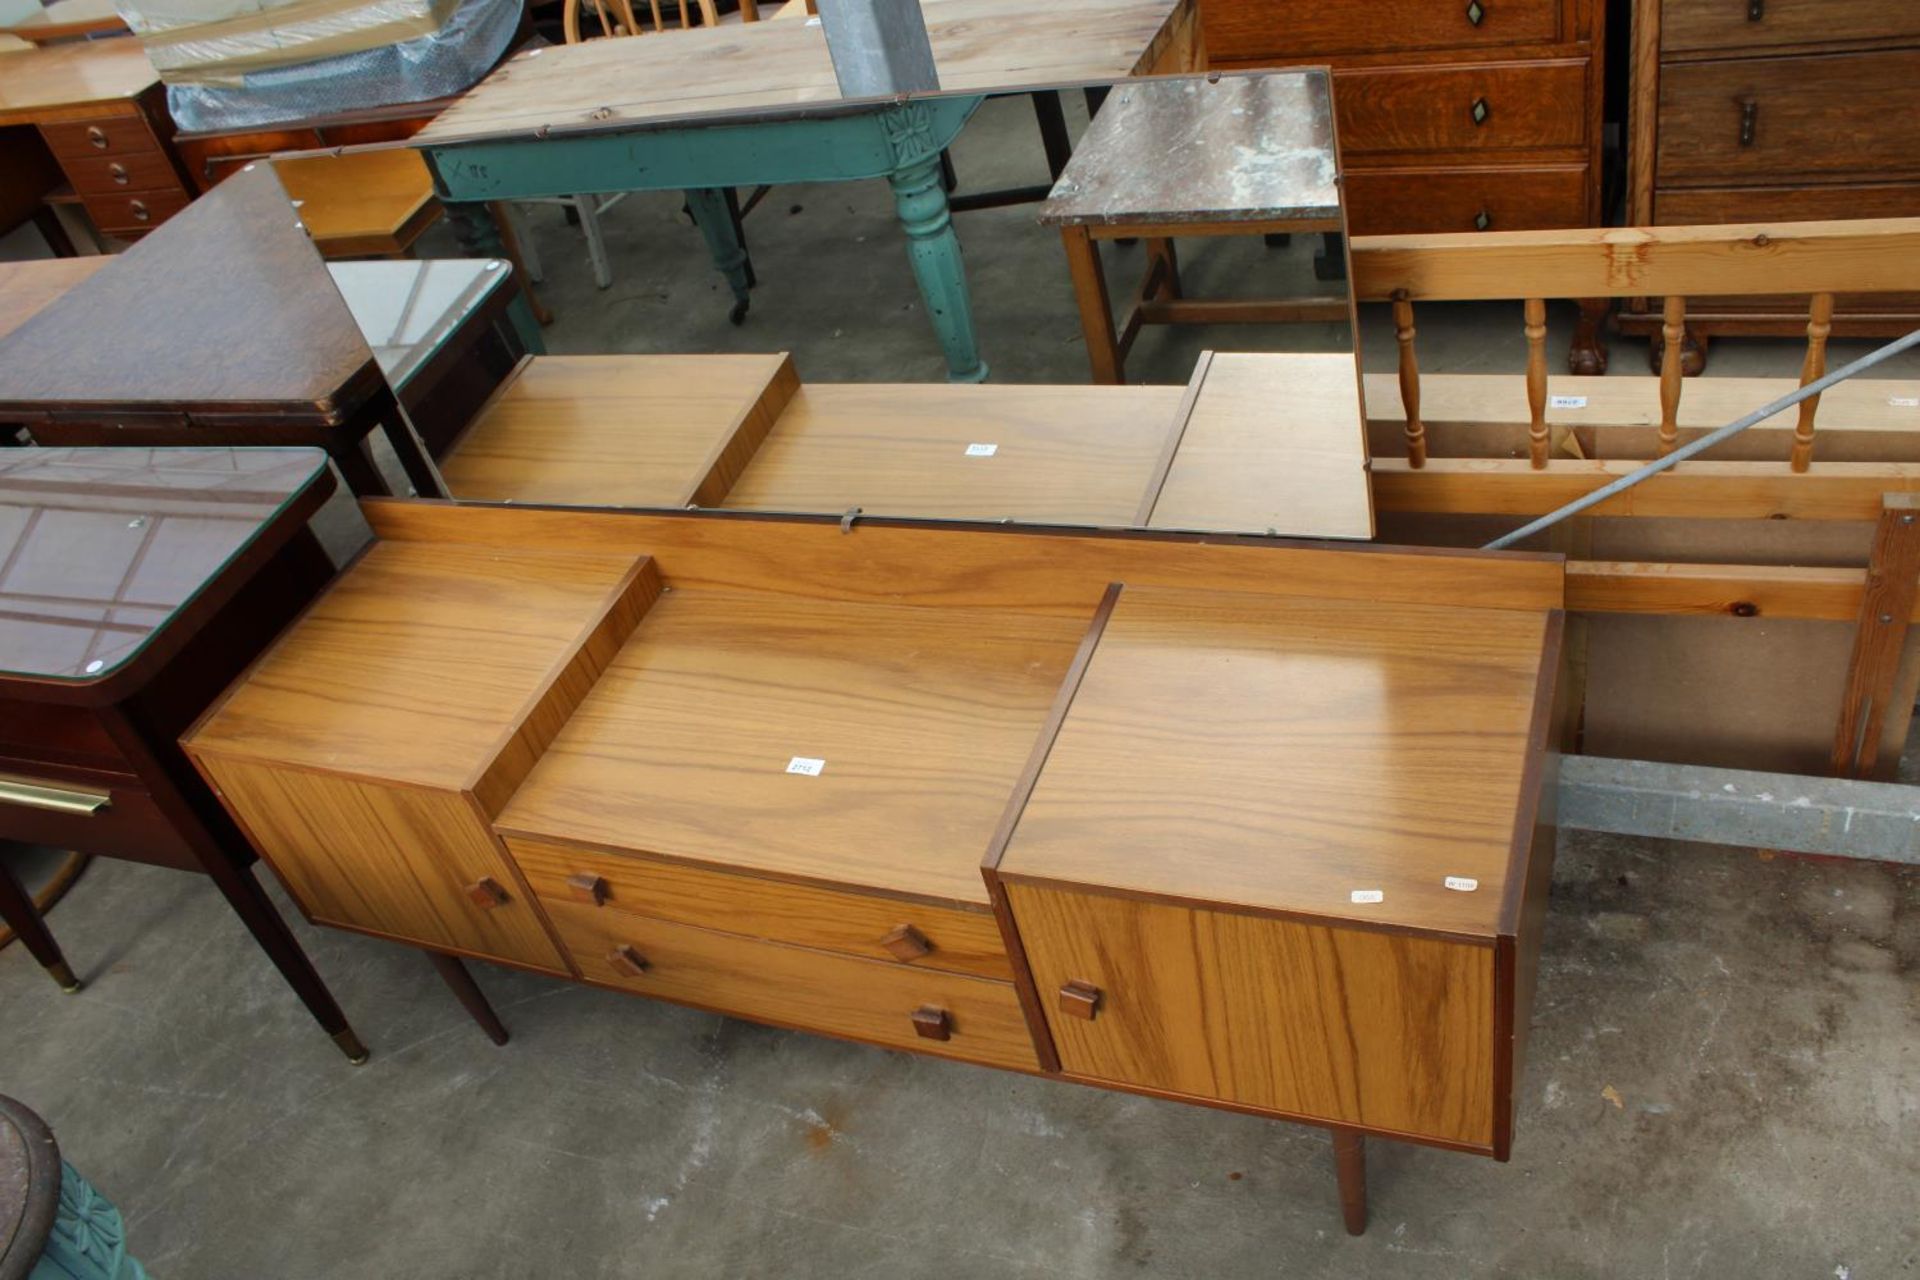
879, 47
1705, 442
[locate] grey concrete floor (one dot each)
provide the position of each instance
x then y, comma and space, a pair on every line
1723, 1078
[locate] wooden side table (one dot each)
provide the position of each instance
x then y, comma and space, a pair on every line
135, 584
1196, 156
53, 1223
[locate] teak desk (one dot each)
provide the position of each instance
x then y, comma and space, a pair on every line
222, 328
134, 584
1246, 823
736, 106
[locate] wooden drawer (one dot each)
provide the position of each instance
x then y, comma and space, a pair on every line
1293, 30
135, 212
1463, 108
1760, 120
128, 825
115, 136
1710, 25
59, 735
778, 910
1698, 206
1404, 201
115, 175
799, 988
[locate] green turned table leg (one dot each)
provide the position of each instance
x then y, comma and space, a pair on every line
479, 236
709, 206
920, 198
89, 1239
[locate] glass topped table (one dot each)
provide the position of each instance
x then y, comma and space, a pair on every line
410, 310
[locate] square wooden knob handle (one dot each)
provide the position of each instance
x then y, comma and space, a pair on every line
587, 887
932, 1023
627, 961
906, 943
1080, 1000
487, 893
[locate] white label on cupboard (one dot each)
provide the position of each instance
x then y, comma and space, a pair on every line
1465, 884
1369, 895
1566, 402
982, 450
1904, 402
807, 765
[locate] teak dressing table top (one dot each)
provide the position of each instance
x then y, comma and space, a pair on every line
36, 84
1280, 754
101, 548
782, 68
226, 308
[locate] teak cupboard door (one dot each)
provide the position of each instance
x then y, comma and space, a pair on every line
1385, 1031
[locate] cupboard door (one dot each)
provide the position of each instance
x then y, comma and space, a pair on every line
1386, 1031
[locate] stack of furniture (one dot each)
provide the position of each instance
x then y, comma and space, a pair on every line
1773, 109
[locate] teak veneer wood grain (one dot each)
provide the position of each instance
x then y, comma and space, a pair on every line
36, 85
1282, 756
794, 987
776, 910
639, 431
922, 716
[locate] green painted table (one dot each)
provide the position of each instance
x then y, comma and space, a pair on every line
731, 106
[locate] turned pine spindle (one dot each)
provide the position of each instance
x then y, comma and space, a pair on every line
1673, 332
1409, 379
1819, 325
1536, 312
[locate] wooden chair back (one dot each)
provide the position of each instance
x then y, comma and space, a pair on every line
1819, 259
617, 18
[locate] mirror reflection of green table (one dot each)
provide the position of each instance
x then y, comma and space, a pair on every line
708, 109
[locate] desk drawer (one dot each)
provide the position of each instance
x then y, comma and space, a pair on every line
1761, 120
136, 212
1686, 206
68, 736
795, 987
115, 136
778, 910
124, 821
115, 175
1469, 107
1711, 25
1291, 31
1405, 201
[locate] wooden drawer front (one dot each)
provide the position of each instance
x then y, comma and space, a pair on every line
60, 735
1694, 25
1400, 201
118, 175
1383, 1030
1837, 116
129, 825
830, 919
134, 212
1291, 30
1471, 107
403, 862
795, 987
87, 139
1694, 206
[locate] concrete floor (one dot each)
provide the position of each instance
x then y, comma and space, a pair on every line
1723, 1079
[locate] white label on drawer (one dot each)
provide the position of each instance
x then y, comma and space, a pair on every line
1369, 895
807, 765
982, 450
1566, 402
1465, 884
1904, 402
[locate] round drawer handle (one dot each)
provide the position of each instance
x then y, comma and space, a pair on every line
1480, 111
1080, 1000
140, 211
118, 172
906, 943
628, 961
930, 1022
97, 136
1482, 220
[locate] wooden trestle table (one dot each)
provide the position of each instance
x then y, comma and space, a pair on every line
1258, 825
733, 106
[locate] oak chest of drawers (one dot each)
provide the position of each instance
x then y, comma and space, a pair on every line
1754, 111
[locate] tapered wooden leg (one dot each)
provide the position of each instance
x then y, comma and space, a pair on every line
1096, 312
468, 993
1350, 1159
256, 911
1587, 355
17, 909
